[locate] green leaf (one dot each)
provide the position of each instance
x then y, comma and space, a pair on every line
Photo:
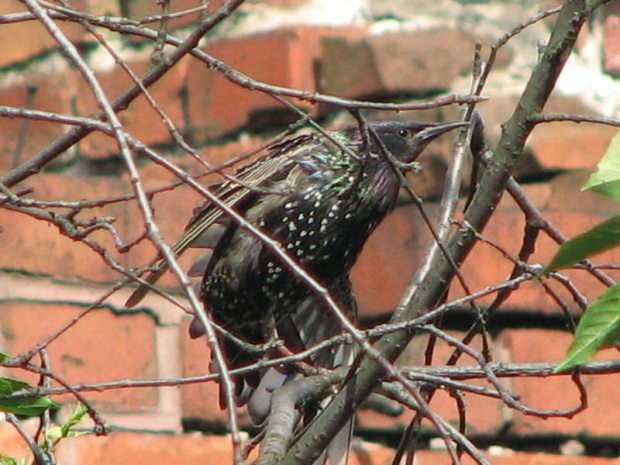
27, 407
4, 357
606, 180
10, 385
598, 328
598, 239
57, 433
6, 460
64, 431
33, 406
78, 415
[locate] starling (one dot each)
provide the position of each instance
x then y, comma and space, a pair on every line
320, 198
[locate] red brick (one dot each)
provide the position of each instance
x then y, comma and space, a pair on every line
154, 176
219, 106
120, 448
598, 420
139, 119
282, 58
486, 266
44, 249
52, 93
388, 262
394, 62
173, 210
11, 443
566, 195
396, 247
498, 110
484, 415
201, 400
361, 76
570, 145
101, 347
509, 457
154, 449
551, 145
29, 38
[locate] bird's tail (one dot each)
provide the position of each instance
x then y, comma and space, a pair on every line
315, 324
340, 446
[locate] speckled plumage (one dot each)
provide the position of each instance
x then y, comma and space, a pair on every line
320, 203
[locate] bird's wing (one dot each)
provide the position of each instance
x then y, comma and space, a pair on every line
199, 225
278, 159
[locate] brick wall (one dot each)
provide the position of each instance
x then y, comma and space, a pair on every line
371, 49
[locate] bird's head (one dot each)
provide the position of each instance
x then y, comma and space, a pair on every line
405, 140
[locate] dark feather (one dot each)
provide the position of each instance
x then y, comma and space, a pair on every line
320, 203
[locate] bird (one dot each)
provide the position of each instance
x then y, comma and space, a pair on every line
319, 196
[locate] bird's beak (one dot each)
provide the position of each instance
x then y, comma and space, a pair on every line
433, 131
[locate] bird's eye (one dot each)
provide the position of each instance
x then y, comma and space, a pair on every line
405, 133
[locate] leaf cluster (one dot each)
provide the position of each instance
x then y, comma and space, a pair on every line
600, 325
